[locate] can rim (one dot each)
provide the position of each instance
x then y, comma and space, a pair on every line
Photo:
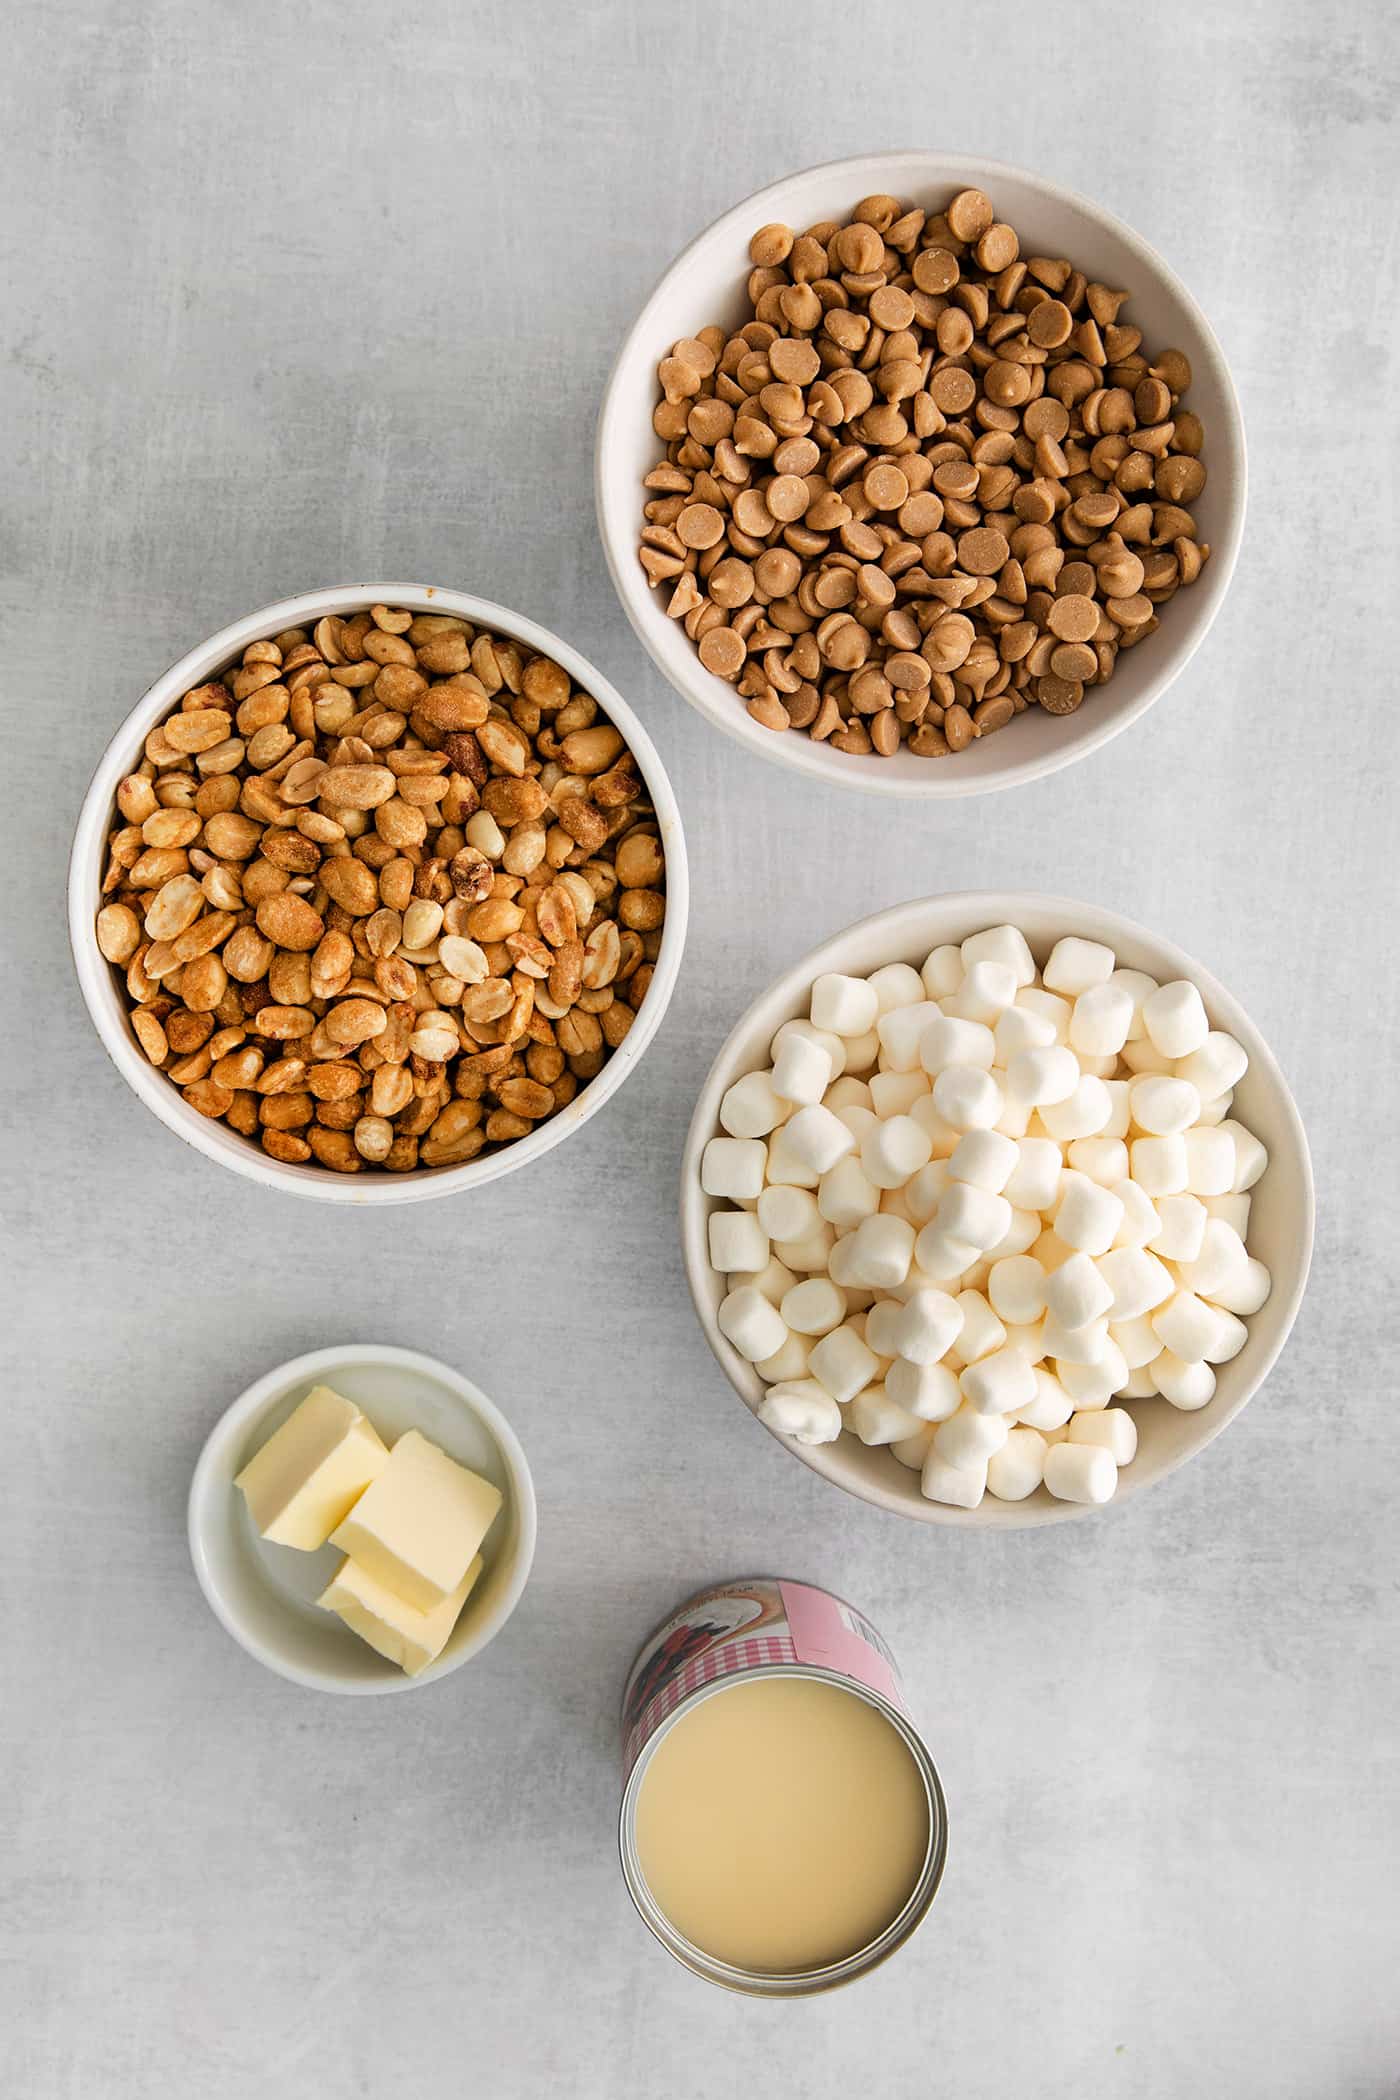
794, 1983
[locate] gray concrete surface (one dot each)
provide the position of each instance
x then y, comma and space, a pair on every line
296, 295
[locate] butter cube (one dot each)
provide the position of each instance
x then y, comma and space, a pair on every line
420, 1523
408, 1637
312, 1471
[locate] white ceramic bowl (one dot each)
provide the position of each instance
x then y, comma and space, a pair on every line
1280, 1225
266, 1595
105, 996
706, 284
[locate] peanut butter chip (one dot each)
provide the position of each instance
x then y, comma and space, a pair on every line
969, 215
885, 488
1059, 696
700, 525
983, 551
722, 652
1073, 619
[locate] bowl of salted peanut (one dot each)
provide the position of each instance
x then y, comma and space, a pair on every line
378, 894
920, 474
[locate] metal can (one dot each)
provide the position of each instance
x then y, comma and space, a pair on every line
738, 1632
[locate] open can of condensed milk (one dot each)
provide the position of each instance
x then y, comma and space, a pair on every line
783, 1828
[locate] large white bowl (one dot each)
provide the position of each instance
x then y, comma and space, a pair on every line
105, 996
1280, 1223
706, 284
265, 1595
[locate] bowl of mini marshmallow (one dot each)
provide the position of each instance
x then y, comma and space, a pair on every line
996, 1208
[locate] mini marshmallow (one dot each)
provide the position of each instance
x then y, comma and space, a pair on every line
1102, 1016
787, 1168
985, 1159
1049, 1250
1175, 1019
1100, 1159
1088, 1344
1036, 1000
975, 1278
1000, 944
1043, 1077
981, 1330
1233, 1209
843, 1006
1187, 1326
834, 1047
1018, 1029
1138, 1281
813, 1138
1139, 987
1251, 1158
847, 1092
733, 1167
881, 1324
911, 1451
1221, 1263
1029, 1340
1186, 1385
1159, 1165
1074, 965
754, 1326
942, 972
1019, 1237
774, 1280
892, 1200
941, 1257
895, 985
1080, 1472
1215, 1111
788, 1213
901, 1030
924, 1190
1075, 1293
1136, 1340
814, 1306
1140, 1215
882, 1248
809, 1254
1092, 1386
1051, 1408
1016, 1288
750, 1108
1019, 1467
942, 1136
1162, 1106
857, 1117
998, 1384
986, 991
966, 1098
1015, 1118
802, 1070
1139, 1385
876, 1419
1034, 1182
972, 1215
738, 1243
1230, 1337
1114, 1431
861, 1050
788, 1363
1182, 1230
962, 1487
894, 1093
1218, 1065
929, 1391
1210, 1161
842, 1363
802, 1411
950, 1041
969, 1437
927, 1325
1142, 1056
893, 1150
1120, 1113
1247, 1292
1084, 1113
1087, 1215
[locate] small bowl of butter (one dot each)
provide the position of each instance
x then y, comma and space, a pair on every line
362, 1519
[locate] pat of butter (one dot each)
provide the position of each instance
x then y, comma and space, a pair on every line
408, 1637
420, 1523
312, 1471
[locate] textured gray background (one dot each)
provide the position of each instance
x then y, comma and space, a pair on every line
296, 295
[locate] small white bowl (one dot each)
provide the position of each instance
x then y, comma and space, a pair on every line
106, 1000
265, 1595
706, 284
1280, 1225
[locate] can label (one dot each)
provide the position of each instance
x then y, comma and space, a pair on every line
739, 1626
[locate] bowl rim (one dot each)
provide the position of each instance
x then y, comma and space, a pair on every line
1000, 907
315, 1365
799, 754
94, 973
